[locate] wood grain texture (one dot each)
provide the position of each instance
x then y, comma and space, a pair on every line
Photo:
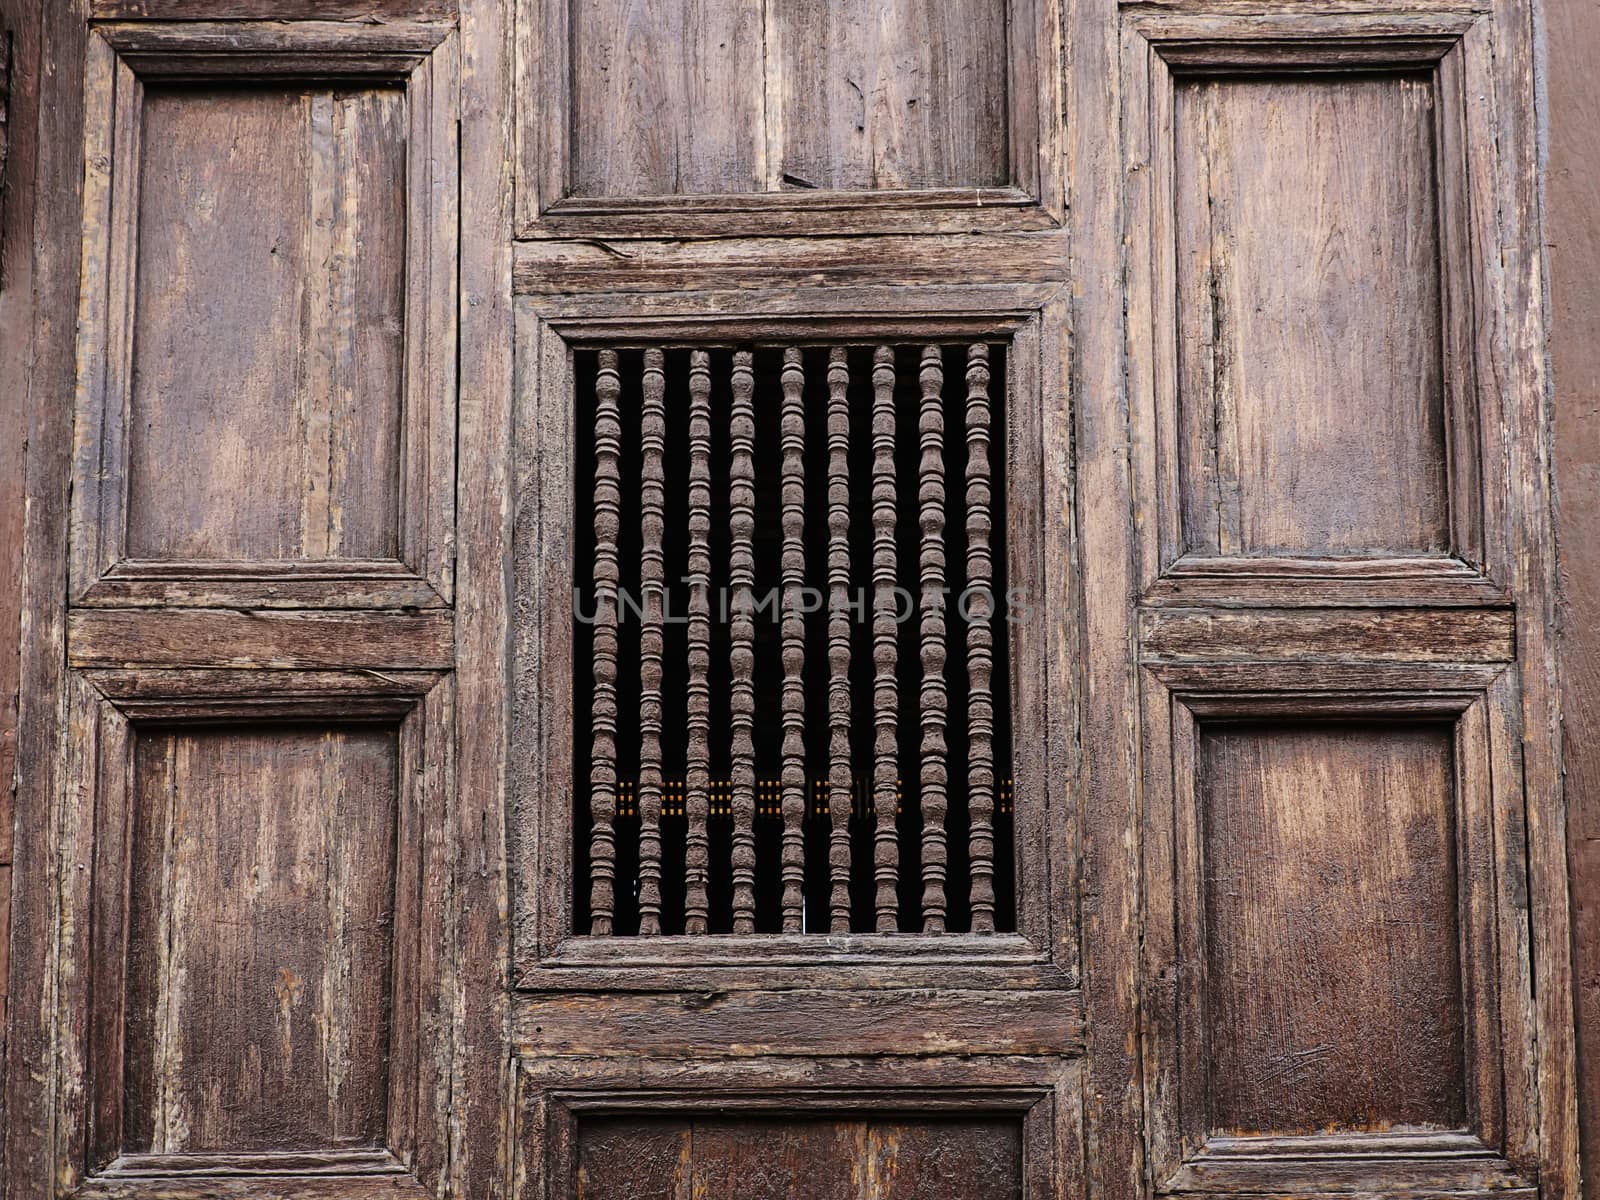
666, 98
768, 1158
474, 854
50, 48
1310, 391
805, 1020
274, 10
19, 133
912, 96
260, 940
1333, 979
286, 391
1572, 227
214, 638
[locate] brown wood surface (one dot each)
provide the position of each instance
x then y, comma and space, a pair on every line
766, 1158
1572, 236
1332, 974
913, 97
667, 98
321, 208
287, 390
1310, 372
260, 939
20, 20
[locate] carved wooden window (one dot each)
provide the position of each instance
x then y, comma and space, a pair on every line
790, 588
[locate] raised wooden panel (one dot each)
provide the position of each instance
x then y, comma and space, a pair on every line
266, 378
801, 1158
1333, 871
907, 94
260, 939
666, 97
268, 313
259, 999
1332, 968
1310, 390
734, 116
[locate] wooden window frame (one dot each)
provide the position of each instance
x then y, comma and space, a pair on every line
545, 208
546, 951
1159, 51
107, 708
1478, 701
123, 58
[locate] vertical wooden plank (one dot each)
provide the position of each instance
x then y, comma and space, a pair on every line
741, 580
1516, 54
1572, 225
652, 500
980, 642
792, 434
1107, 778
885, 687
472, 786
46, 160
603, 759
18, 164
839, 638
930, 499
697, 782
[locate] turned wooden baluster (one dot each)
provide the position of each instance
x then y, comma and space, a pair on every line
652, 585
980, 642
603, 757
792, 434
885, 692
935, 702
697, 779
742, 578
839, 640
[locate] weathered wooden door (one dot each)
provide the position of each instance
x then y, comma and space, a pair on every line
785, 598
